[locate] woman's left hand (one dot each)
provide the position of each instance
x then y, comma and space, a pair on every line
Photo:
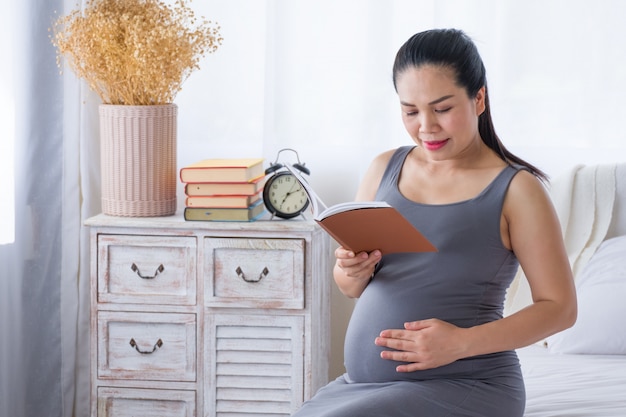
424, 344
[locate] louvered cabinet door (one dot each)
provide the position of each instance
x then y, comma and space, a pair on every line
255, 365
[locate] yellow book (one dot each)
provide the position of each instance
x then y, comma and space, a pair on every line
223, 170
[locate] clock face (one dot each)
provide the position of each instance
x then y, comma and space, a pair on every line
284, 196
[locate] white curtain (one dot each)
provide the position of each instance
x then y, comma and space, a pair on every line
44, 275
31, 275
314, 75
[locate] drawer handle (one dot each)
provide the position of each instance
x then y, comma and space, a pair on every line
135, 269
241, 275
157, 345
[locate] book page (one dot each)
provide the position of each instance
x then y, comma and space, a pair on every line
320, 210
350, 205
317, 205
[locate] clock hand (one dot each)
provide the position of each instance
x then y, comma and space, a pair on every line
291, 191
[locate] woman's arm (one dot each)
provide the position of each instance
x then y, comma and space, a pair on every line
535, 236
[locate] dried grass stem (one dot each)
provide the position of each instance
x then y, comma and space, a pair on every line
134, 52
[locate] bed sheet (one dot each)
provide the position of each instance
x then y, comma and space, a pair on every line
573, 385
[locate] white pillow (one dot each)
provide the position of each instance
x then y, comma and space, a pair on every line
606, 266
601, 288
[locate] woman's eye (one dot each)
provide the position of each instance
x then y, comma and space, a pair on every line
442, 110
410, 113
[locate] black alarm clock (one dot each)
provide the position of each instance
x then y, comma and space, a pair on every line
283, 195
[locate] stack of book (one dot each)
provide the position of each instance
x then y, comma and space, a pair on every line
224, 189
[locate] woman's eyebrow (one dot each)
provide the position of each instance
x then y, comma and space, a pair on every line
439, 100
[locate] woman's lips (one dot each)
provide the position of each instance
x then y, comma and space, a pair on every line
433, 145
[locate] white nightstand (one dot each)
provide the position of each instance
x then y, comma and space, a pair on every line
207, 318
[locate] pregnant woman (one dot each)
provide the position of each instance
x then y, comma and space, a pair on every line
427, 337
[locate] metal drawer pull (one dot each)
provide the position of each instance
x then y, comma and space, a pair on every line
135, 268
241, 275
157, 345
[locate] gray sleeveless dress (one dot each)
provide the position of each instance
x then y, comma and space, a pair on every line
464, 283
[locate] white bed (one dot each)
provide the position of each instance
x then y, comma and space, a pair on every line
568, 385
582, 370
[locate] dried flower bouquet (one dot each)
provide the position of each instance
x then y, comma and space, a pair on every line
134, 52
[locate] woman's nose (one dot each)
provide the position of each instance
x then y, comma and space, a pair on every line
427, 122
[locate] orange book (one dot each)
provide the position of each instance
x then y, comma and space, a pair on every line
223, 201
366, 225
223, 170
225, 188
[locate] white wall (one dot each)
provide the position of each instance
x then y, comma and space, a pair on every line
316, 76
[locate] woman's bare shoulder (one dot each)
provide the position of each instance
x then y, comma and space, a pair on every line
527, 194
373, 175
525, 182
381, 160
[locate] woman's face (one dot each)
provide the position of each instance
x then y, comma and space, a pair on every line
437, 113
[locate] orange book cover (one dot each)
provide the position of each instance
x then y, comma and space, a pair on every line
365, 226
223, 170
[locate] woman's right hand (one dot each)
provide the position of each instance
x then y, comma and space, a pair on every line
353, 272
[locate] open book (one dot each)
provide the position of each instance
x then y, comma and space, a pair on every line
366, 225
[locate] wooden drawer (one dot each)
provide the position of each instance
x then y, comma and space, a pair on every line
125, 402
254, 273
147, 269
146, 346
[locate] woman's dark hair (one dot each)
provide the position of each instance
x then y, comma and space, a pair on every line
453, 49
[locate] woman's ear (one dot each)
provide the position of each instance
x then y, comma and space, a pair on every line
480, 100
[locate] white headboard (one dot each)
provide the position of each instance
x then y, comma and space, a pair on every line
618, 222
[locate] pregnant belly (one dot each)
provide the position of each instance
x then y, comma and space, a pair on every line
376, 311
